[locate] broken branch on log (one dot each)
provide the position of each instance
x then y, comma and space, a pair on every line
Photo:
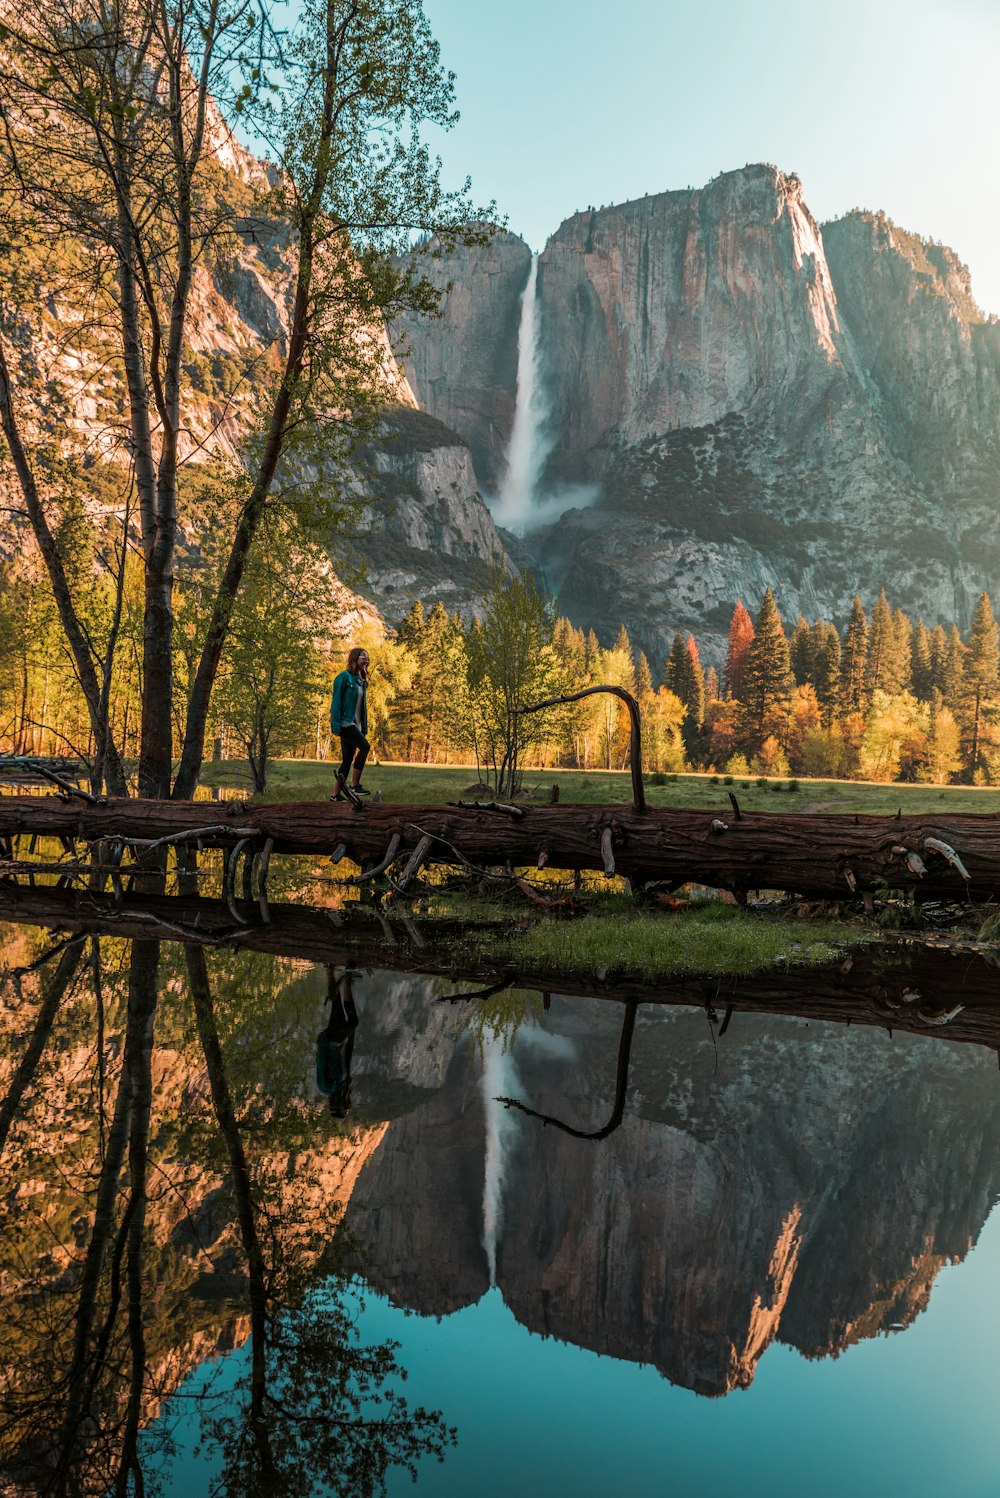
635, 735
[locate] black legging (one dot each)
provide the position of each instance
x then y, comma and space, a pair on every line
352, 742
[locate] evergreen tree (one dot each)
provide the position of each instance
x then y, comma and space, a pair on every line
922, 666
767, 676
643, 676
899, 656
853, 660
939, 657
954, 671
802, 653
740, 640
980, 675
879, 645
711, 686
826, 677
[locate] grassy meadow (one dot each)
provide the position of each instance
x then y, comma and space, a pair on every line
312, 780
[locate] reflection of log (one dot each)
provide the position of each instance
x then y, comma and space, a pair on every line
828, 857
902, 986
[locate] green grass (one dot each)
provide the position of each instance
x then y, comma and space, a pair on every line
709, 939
312, 780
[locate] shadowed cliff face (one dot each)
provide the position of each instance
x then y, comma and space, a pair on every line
806, 1186
759, 401
463, 369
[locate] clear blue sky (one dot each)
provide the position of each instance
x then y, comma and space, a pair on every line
888, 104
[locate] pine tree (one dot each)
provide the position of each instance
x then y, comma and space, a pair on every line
711, 686
802, 652
980, 676
740, 640
767, 676
898, 672
643, 676
922, 666
939, 657
695, 702
853, 659
879, 644
827, 669
954, 671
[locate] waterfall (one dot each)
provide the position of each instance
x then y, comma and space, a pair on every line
520, 506
498, 1080
529, 442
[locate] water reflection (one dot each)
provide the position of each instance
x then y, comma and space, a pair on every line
164, 1202
201, 1144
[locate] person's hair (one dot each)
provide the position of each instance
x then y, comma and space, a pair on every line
354, 657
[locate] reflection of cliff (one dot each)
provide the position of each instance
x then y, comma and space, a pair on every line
809, 1189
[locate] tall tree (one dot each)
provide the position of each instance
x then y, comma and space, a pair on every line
980, 675
922, 666
826, 671
767, 677
113, 148
879, 646
739, 642
898, 674
953, 686
802, 652
853, 660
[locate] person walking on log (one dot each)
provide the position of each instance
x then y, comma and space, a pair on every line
349, 718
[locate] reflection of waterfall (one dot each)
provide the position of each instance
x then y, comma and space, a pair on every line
529, 444
499, 1080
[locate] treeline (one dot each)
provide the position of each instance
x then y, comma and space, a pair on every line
884, 697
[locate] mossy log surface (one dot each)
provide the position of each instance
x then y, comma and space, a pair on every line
818, 856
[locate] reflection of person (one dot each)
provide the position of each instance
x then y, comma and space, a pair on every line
335, 1044
349, 718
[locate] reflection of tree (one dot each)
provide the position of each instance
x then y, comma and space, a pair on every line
621, 1089
99, 1310
319, 1406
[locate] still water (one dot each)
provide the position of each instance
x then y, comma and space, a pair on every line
610, 1247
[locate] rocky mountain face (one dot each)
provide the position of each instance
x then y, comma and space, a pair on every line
805, 1185
466, 372
758, 400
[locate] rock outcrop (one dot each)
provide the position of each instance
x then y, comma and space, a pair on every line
463, 369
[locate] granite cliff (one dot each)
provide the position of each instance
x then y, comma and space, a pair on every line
758, 399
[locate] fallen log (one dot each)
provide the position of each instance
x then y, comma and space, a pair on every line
899, 985
821, 856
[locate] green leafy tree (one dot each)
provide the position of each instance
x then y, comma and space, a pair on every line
511, 663
121, 164
272, 676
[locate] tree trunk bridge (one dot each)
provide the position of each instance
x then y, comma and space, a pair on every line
830, 857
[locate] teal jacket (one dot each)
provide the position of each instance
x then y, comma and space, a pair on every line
344, 703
